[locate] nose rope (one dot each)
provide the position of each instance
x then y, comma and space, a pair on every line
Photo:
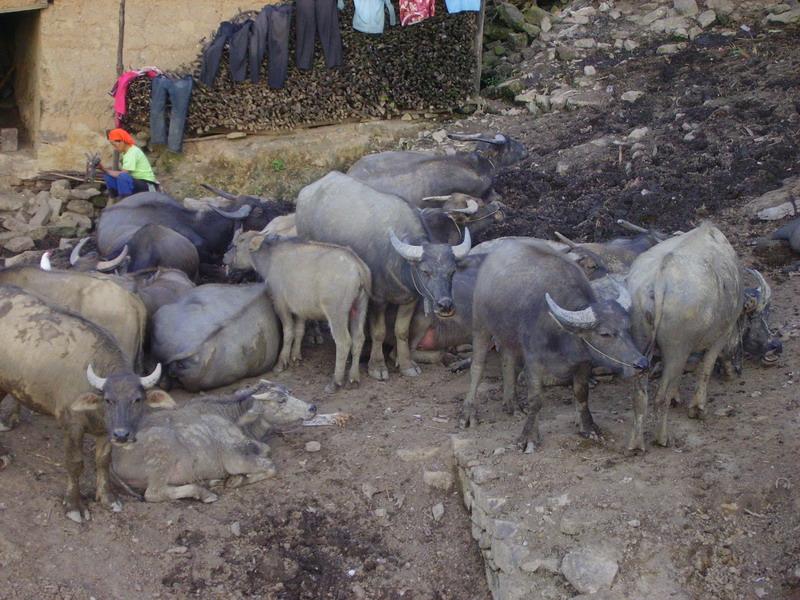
592, 346
427, 295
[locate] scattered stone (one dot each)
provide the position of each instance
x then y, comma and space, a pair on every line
670, 25
790, 16
441, 480
178, 550
564, 52
498, 451
668, 49
634, 523
574, 522
481, 474
407, 117
19, 244
11, 203
511, 15
81, 207
632, 96
586, 43
630, 45
723, 7
589, 71
779, 8
381, 513
60, 189
589, 570
545, 564
236, 529
313, 446
43, 212
439, 136
538, 16
653, 16
706, 18
368, 490
438, 511
236, 135
417, 454
638, 134
687, 8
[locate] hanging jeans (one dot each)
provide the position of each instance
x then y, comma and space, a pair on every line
124, 185
318, 17
280, 18
258, 43
212, 55
179, 92
239, 48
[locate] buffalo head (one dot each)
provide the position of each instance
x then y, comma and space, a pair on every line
757, 337
499, 149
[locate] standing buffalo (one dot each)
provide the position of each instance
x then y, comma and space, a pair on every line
537, 306
388, 235
689, 296
417, 175
208, 438
216, 334
52, 362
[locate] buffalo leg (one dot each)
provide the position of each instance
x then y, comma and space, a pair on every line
636, 441
73, 461
255, 467
287, 323
480, 346
667, 389
12, 417
341, 337
530, 436
509, 364
299, 331
402, 324
580, 388
164, 493
102, 458
377, 327
357, 335
697, 408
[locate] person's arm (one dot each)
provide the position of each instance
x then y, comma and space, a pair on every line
111, 172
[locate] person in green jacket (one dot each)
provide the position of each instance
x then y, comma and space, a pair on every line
136, 174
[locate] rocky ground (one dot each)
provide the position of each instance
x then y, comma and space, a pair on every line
653, 112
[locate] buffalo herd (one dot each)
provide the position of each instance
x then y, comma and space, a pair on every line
388, 243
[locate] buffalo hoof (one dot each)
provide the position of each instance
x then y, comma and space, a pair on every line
353, 384
5, 460
696, 412
528, 447
663, 441
79, 514
379, 372
592, 434
470, 419
209, 498
332, 387
412, 371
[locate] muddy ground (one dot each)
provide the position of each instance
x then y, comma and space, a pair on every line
714, 516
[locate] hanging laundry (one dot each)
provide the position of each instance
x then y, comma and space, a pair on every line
456, 6
212, 55
179, 92
258, 43
320, 17
239, 51
414, 11
280, 18
120, 90
369, 15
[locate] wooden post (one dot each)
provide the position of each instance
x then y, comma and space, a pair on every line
479, 47
120, 65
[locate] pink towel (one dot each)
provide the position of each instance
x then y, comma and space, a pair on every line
414, 11
120, 90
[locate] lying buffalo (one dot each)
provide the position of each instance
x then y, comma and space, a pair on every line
689, 296
62, 365
216, 334
538, 307
208, 438
389, 236
157, 287
417, 175
791, 232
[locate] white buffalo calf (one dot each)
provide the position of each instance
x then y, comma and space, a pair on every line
207, 439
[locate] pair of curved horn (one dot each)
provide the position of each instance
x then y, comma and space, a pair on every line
564, 239
241, 213
764, 290
75, 255
110, 265
624, 298
219, 192
576, 319
498, 139
471, 209
100, 382
413, 252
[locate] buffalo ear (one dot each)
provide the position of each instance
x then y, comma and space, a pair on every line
87, 401
160, 399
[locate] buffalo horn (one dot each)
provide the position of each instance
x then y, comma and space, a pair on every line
623, 296
75, 255
631, 227
498, 139
44, 263
471, 209
407, 251
579, 319
95, 381
764, 291
150, 380
241, 213
463, 248
110, 265
565, 239
219, 192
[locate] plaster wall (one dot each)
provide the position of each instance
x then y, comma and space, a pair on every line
77, 63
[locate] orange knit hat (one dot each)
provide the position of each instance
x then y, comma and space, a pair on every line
120, 135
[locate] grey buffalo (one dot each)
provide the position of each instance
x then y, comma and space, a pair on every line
211, 438
313, 280
539, 307
689, 296
790, 232
157, 287
417, 175
62, 365
388, 235
216, 334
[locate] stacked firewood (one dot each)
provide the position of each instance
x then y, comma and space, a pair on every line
427, 67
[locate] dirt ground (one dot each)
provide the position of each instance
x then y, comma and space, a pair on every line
715, 516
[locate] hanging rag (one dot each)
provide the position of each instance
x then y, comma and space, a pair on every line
120, 90
212, 55
320, 17
456, 6
280, 19
369, 15
257, 49
414, 11
179, 93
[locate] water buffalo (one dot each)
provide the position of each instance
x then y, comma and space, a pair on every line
206, 439
688, 296
150, 246
216, 334
313, 280
52, 362
538, 306
417, 175
388, 235
791, 232
210, 230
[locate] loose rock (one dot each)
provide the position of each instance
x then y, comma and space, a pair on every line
313, 446
589, 570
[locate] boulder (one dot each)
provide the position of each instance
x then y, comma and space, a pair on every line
790, 16
706, 18
60, 189
11, 203
589, 570
84, 194
687, 8
538, 16
511, 15
19, 244
42, 214
81, 207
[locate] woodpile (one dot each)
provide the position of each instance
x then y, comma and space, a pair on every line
427, 67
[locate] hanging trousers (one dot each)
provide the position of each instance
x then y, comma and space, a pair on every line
280, 18
318, 17
179, 92
258, 43
239, 49
212, 55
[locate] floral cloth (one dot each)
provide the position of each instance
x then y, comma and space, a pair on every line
414, 11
